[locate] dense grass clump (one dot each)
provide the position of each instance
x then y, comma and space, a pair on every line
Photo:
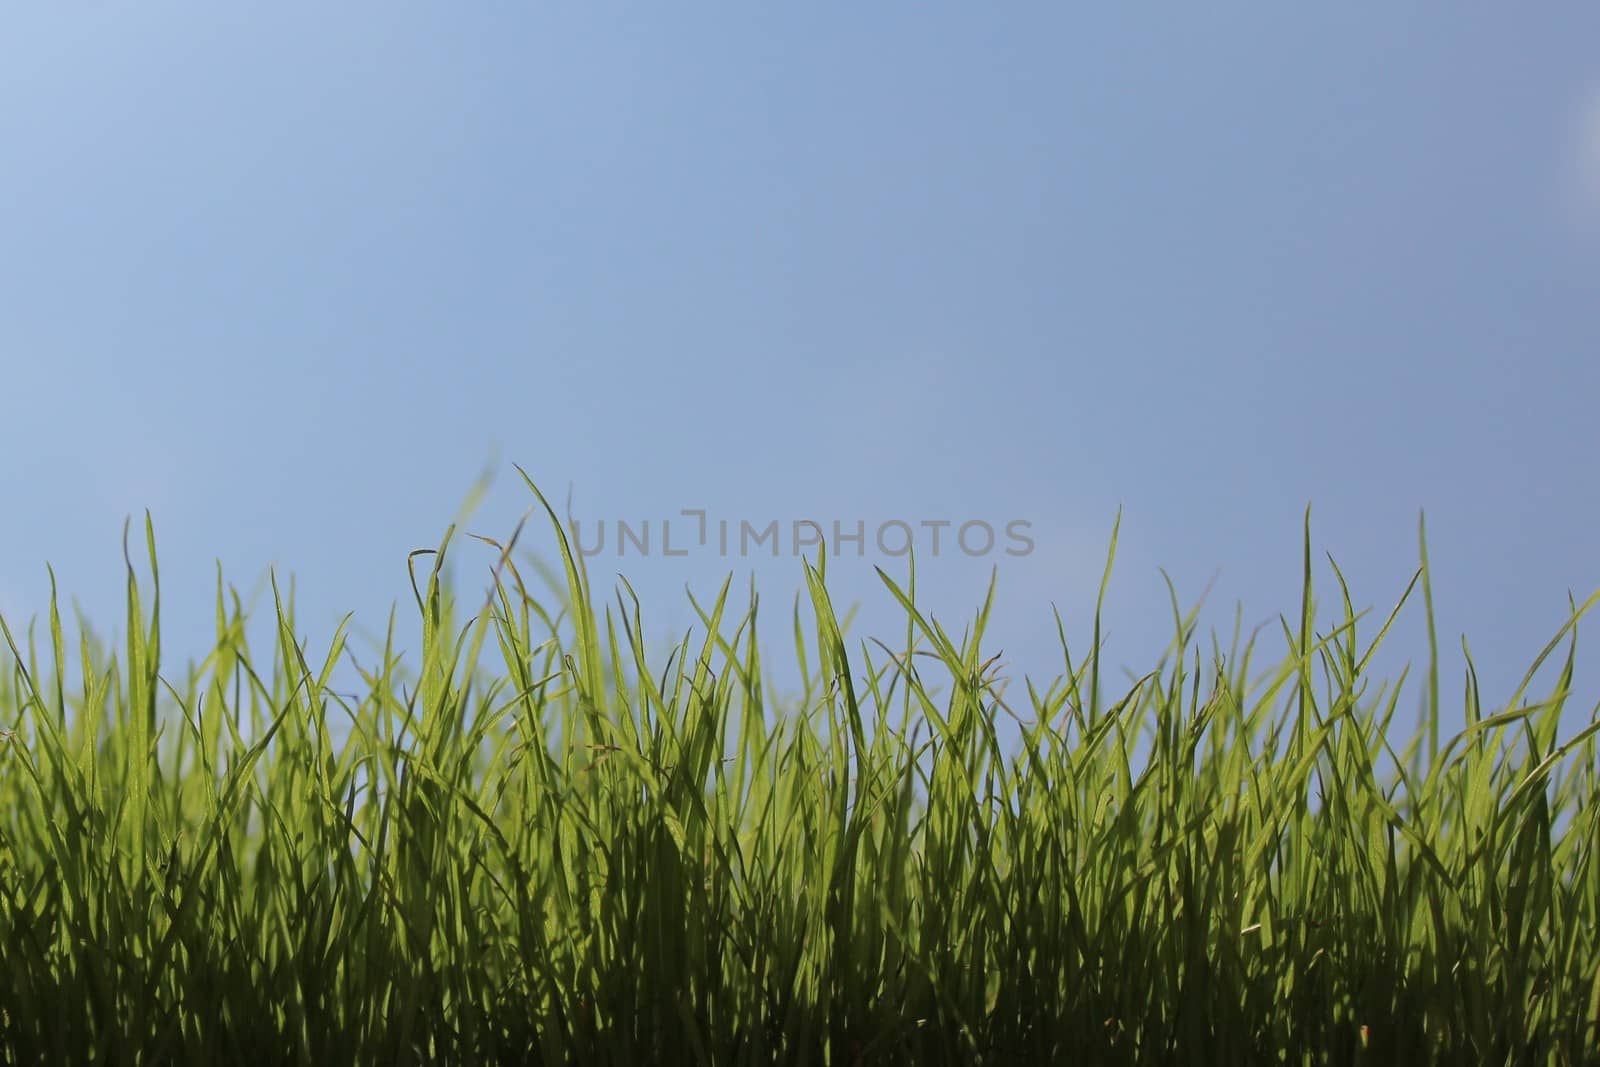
534, 846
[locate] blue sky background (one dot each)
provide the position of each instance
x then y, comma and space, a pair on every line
290, 276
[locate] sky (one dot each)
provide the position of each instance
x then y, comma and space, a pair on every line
291, 276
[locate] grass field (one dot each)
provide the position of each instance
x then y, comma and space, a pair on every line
531, 845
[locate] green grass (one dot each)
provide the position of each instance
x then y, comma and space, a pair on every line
533, 845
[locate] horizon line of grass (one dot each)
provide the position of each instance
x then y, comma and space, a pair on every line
578, 855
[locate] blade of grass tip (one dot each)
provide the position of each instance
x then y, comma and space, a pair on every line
1541, 771
911, 636
1307, 624
95, 688
1347, 648
591, 671
1550, 646
709, 731
800, 654
58, 649
1432, 708
139, 724
416, 591
582, 560
1072, 679
154, 640
1473, 701
1383, 631
1099, 607
437, 622
26, 691
651, 701
835, 654
1303, 750
945, 653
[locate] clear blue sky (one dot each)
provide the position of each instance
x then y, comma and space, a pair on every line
289, 276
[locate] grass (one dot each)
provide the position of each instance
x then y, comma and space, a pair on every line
534, 846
